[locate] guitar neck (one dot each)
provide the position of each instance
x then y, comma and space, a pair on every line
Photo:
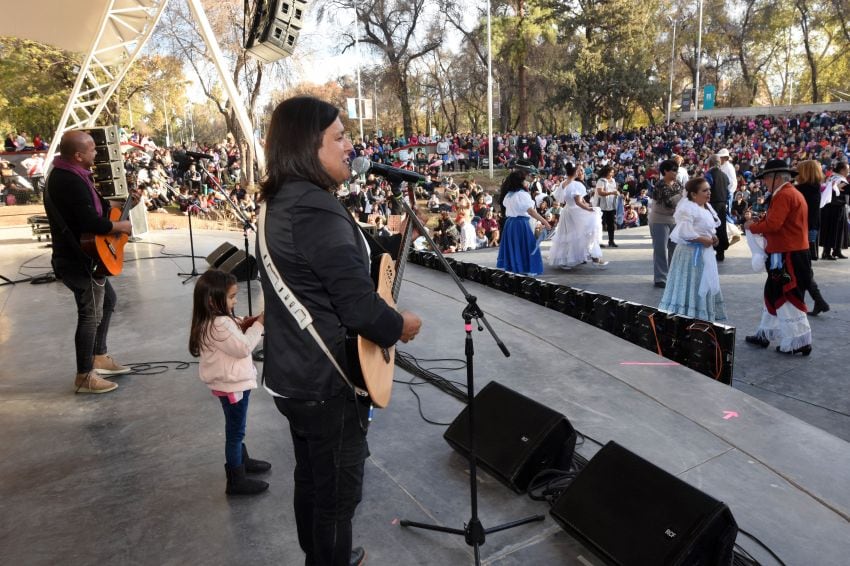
401, 262
125, 211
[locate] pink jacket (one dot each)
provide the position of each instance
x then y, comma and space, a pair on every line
226, 363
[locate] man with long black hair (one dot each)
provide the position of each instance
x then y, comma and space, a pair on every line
308, 157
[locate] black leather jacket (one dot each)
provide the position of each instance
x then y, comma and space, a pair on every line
322, 256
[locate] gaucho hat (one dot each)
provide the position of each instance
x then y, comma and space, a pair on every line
776, 166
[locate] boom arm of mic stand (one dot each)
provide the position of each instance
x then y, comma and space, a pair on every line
246, 225
473, 310
220, 190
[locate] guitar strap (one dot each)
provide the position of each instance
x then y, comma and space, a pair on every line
298, 311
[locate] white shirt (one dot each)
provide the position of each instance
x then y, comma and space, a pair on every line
606, 202
573, 190
729, 169
517, 203
693, 221
682, 176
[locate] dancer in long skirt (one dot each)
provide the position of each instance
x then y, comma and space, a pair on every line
519, 251
579, 232
693, 284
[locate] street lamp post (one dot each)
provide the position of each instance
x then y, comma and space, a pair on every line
359, 89
699, 63
674, 23
489, 94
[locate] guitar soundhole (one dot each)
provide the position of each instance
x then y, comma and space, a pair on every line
386, 354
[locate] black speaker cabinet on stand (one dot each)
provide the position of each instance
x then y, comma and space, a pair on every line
630, 512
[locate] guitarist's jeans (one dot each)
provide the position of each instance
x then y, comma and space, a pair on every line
95, 303
330, 449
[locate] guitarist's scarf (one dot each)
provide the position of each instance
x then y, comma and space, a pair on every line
85, 175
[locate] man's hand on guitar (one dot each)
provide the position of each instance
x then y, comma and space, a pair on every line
123, 226
411, 326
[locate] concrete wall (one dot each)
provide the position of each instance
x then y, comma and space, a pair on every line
764, 111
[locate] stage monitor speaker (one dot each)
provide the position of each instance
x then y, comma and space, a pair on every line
240, 265
515, 437
221, 254
631, 513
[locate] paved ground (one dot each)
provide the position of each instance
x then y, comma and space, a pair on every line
813, 389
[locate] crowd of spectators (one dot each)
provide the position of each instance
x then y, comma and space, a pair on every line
634, 155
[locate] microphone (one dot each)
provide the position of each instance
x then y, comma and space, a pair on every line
198, 155
362, 165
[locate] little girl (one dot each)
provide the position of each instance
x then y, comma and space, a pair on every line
224, 344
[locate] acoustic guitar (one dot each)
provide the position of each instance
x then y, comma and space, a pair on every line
374, 372
107, 250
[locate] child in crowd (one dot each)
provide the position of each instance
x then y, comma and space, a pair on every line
224, 343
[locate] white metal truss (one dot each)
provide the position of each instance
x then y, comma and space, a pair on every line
229, 86
123, 32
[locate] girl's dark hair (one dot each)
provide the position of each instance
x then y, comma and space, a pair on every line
605, 170
295, 135
209, 301
692, 187
514, 181
570, 168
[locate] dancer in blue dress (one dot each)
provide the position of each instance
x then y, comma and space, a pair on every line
518, 250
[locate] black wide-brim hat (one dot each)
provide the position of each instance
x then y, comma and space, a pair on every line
776, 166
524, 165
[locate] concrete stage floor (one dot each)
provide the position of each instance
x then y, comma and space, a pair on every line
135, 476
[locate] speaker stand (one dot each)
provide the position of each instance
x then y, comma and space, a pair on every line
473, 531
194, 273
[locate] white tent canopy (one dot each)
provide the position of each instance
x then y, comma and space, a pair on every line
76, 25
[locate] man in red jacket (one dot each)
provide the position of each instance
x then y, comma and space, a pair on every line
789, 268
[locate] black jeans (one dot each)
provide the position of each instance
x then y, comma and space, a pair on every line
329, 438
95, 300
609, 220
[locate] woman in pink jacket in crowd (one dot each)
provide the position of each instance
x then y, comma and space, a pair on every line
224, 343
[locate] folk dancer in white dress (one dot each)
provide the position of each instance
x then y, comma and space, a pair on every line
693, 283
579, 232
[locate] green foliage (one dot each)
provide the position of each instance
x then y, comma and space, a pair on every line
35, 82
607, 68
154, 83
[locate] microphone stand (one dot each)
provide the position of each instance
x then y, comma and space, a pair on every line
246, 225
194, 273
473, 531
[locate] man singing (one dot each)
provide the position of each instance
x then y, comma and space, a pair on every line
308, 157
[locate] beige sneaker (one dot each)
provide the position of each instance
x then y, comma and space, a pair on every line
105, 365
91, 382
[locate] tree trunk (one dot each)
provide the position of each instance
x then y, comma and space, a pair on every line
810, 56
522, 75
403, 96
